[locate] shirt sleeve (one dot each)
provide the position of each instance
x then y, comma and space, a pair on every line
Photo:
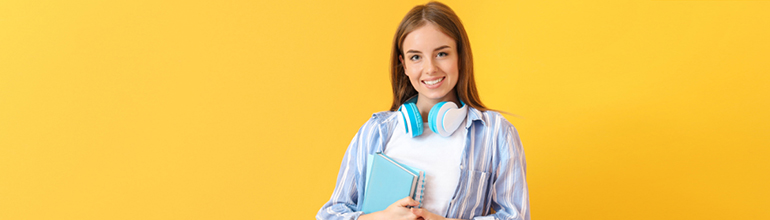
344, 202
510, 198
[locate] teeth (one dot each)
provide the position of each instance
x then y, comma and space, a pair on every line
434, 81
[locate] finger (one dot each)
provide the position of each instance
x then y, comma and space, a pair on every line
412, 215
422, 213
407, 201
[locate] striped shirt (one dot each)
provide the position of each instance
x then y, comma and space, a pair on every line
492, 170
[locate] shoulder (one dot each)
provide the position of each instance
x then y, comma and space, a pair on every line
379, 124
494, 121
498, 126
383, 118
374, 133
505, 142
497, 119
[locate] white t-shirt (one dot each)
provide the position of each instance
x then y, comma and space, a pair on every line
438, 156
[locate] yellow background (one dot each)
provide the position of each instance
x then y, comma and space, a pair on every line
243, 109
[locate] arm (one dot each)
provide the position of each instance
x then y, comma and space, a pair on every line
510, 197
343, 204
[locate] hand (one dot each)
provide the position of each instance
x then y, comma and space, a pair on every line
397, 210
426, 215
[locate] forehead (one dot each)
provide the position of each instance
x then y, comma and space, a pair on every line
427, 38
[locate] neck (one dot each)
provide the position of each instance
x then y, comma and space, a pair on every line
424, 104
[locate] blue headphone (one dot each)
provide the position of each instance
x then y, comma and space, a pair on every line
444, 118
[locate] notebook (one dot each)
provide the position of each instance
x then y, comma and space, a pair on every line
388, 181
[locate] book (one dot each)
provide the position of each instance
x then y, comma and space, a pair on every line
388, 181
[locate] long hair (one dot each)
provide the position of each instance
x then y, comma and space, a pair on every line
448, 22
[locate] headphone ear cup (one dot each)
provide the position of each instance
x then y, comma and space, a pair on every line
433, 116
439, 118
452, 118
414, 118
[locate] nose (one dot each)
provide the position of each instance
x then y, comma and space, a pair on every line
430, 67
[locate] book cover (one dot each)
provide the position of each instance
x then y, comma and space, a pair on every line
387, 181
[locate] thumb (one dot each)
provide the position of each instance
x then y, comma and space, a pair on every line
406, 201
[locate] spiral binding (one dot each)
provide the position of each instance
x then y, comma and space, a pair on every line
422, 190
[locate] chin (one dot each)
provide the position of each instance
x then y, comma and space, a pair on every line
435, 95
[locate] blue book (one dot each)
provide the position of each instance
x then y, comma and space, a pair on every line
388, 181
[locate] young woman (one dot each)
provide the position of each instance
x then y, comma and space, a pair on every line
472, 156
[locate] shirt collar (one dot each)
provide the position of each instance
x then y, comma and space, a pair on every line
474, 115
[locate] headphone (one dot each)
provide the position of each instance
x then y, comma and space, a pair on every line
444, 118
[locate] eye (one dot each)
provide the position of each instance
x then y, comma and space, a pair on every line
442, 54
414, 57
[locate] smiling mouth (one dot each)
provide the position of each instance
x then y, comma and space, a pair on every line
433, 82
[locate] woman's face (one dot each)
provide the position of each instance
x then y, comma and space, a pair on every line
430, 62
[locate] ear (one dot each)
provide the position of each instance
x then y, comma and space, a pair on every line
401, 59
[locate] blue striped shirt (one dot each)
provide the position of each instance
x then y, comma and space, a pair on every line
492, 170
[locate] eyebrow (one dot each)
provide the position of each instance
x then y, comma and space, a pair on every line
439, 48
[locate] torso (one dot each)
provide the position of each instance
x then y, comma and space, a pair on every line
438, 156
